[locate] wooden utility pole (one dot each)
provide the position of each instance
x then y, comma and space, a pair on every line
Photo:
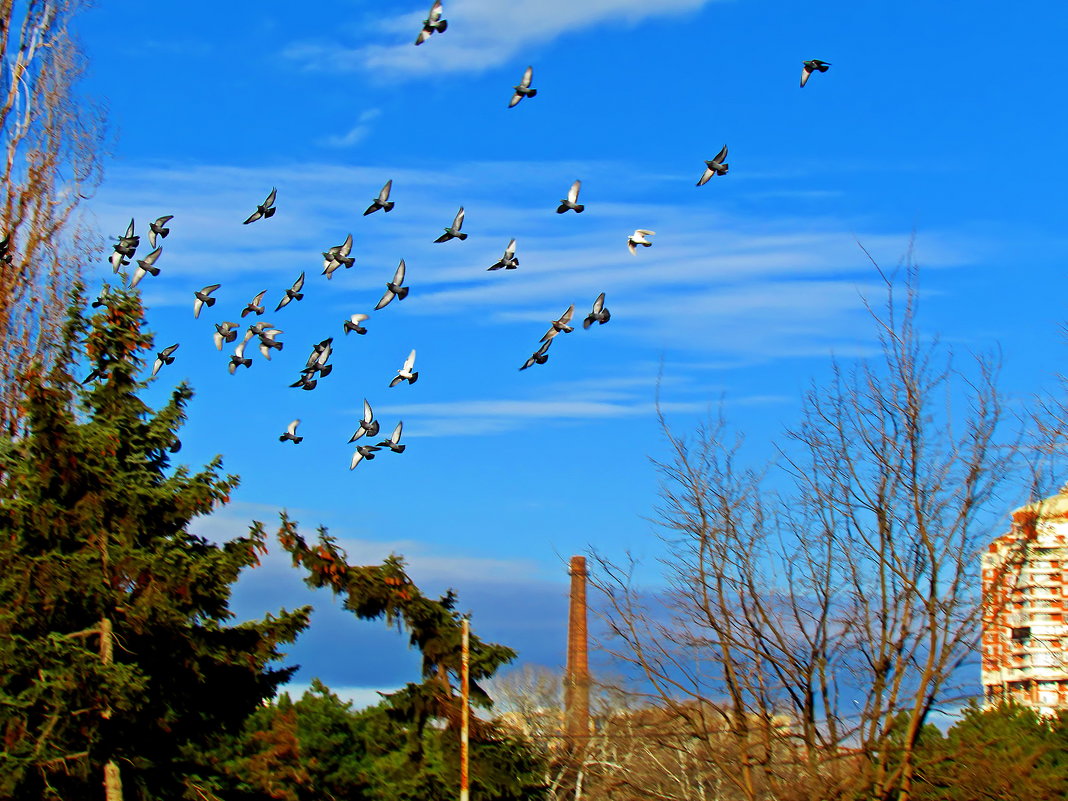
465, 678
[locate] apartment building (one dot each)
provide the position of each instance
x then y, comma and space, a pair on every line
1025, 600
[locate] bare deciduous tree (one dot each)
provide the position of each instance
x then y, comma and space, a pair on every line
806, 634
52, 144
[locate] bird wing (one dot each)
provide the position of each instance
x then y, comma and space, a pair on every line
298, 283
256, 301
239, 351
346, 246
357, 457
209, 289
708, 173
398, 276
435, 12
458, 220
565, 318
645, 232
509, 251
291, 429
598, 304
169, 350
198, 304
160, 222
805, 72
516, 97
396, 435
150, 259
368, 415
630, 246
383, 195
721, 155
359, 318
130, 229
156, 365
386, 298
573, 192
409, 363
270, 198
527, 76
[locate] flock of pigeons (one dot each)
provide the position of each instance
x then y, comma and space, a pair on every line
317, 365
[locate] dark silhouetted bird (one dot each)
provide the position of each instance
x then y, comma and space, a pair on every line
599, 314
717, 166
382, 201
540, 356
265, 209
811, 66
522, 89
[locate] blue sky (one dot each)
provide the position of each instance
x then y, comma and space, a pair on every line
941, 120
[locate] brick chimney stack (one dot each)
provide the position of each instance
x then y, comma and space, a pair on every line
577, 678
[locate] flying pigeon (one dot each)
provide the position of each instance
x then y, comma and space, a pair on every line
256, 329
293, 293
203, 296
368, 425
394, 288
382, 201
337, 256
146, 266
453, 231
405, 373
560, 325
156, 229
572, 200
809, 67
103, 299
522, 89
318, 358
540, 356
163, 357
638, 238
305, 382
433, 23
508, 260
124, 248
265, 209
353, 324
224, 332
239, 358
268, 342
393, 441
599, 314
362, 452
717, 166
291, 433
255, 305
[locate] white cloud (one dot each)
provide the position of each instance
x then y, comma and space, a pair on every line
357, 133
481, 34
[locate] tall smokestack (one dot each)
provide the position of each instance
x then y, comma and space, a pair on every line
577, 679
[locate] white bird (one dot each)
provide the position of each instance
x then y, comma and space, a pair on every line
560, 325
382, 201
224, 332
522, 89
146, 266
394, 288
353, 323
163, 357
405, 373
433, 23
291, 433
203, 296
393, 440
599, 314
571, 201
638, 238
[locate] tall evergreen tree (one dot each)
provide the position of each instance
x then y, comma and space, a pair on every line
118, 666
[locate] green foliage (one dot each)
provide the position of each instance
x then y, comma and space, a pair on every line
114, 642
1008, 753
368, 755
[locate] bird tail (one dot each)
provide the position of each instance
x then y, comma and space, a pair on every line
398, 448
442, 25
414, 378
245, 362
270, 212
282, 438
388, 205
606, 316
531, 92
371, 209
580, 208
151, 269
324, 371
349, 327
298, 440
299, 296
210, 302
461, 236
402, 293
164, 231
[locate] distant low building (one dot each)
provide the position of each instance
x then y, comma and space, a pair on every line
1025, 599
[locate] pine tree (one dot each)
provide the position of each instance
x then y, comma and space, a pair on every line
118, 666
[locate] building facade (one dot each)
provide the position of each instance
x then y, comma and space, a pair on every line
1025, 601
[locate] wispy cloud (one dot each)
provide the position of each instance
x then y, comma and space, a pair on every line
356, 133
481, 34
